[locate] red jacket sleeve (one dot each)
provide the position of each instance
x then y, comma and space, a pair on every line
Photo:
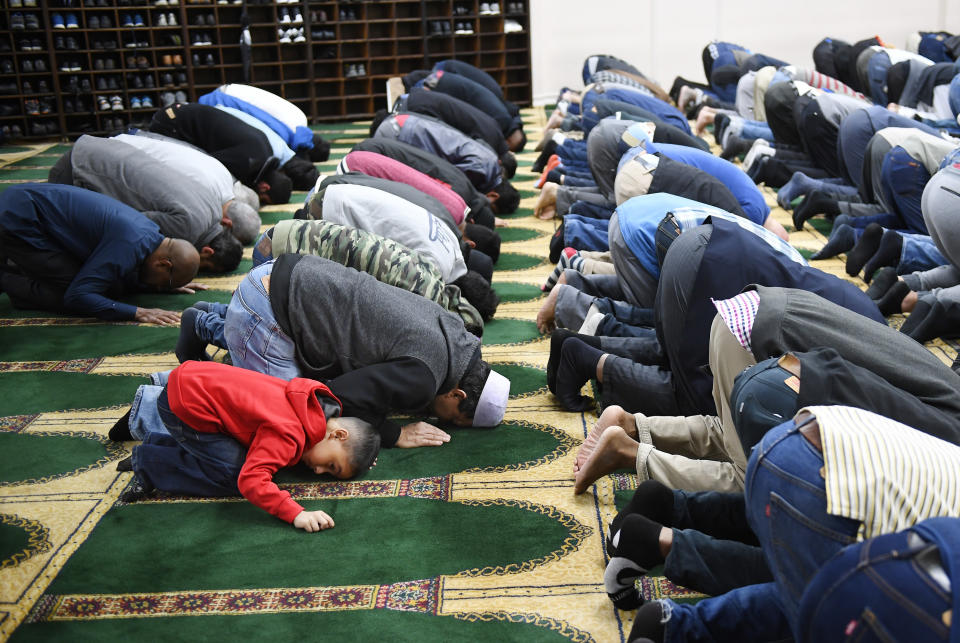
270, 450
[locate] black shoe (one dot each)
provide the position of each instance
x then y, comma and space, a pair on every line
126, 464
120, 432
138, 489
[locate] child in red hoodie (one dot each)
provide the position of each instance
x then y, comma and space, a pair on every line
218, 430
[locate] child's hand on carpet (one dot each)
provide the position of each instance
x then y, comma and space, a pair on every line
311, 521
421, 434
157, 316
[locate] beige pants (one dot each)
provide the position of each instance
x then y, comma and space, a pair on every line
596, 263
699, 452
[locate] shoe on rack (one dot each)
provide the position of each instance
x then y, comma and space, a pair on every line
180, 97
56, 21
116, 103
512, 26
299, 37
162, 20
167, 99
103, 104
138, 21
26, 66
283, 36
297, 17
209, 60
284, 18
146, 102
148, 81
126, 21
134, 102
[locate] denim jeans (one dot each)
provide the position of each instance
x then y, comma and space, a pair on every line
919, 253
752, 130
588, 209
178, 459
210, 322
955, 94
903, 179
585, 233
713, 549
877, 590
572, 149
787, 510
748, 613
622, 311
253, 336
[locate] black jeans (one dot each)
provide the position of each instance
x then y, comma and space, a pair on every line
39, 278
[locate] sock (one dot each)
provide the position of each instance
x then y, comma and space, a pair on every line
549, 149
817, 202
189, 346
841, 240
557, 338
138, 489
887, 254
931, 321
735, 146
773, 172
882, 283
126, 464
652, 499
619, 579
866, 247
889, 303
754, 170
552, 163
569, 258
720, 122
759, 148
638, 539
798, 185
556, 245
578, 365
120, 432
648, 623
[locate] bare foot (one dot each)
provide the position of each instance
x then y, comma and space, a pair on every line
615, 450
704, 118
611, 416
545, 317
687, 95
546, 207
499, 223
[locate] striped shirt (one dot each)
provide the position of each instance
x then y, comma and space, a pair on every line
885, 474
739, 313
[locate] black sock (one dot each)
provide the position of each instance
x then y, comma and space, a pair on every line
887, 254
720, 122
559, 336
817, 202
648, 623
578, 364
556, 243
865, 248
882, 283
549, 149
639, 540
137, 489
189, 346
120, 432
756, 169
889, 303
772, 172
126, 464
652, 499
841, 240
928, 321
736, 146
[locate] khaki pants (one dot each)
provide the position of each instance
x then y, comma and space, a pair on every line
699, 453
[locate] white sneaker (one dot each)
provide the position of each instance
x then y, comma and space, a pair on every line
484, 9
283, 37
162, 20
284, 16
298, 18
494, 9
299, 37
511, 26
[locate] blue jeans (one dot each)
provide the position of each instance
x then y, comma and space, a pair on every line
919, 253
876, 590
747, 613
253, 336
178, 459
585, 233
787, 510
622, 311
903, 179
209, 323
572, 150
954, 94
756, 129
587, 209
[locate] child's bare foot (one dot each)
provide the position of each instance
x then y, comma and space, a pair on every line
615, 450
611, 416
546, 320
546, 207
704, 118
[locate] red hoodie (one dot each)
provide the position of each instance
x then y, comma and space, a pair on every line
276, 420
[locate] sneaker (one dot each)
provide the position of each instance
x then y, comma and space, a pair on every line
138, 489
351, 71
172, 20
283, 36
146, 102
209, 60
127, 21
299, 37
148, 81
103, 104
56, 21
199, 20
39, 66
167, 80
361, 70
138, 21
298, 17
105, 22
42, 87
71, 43
32, 23
284, 16
484, 9
134, 102
31, 107
116, 103
180, 97
27, 87
494, 9
27, 66
512, 26
167, 99
162, 20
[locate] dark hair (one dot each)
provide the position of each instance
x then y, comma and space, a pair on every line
320, 151
486, 240
479, 293
363, 445
509, 199
378, 117
227, 251
472, 384
280, 187
303, 174
509, 163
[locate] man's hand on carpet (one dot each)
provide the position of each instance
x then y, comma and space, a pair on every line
157, 316
190, 288
311, 521
421, 434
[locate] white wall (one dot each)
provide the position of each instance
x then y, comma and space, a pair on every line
664, 38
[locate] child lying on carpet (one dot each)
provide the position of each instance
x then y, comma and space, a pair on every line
218, 430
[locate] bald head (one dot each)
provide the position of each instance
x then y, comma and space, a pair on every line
174, 263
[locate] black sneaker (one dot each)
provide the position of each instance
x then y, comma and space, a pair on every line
138, 489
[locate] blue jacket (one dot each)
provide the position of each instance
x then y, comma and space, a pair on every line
108, 238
